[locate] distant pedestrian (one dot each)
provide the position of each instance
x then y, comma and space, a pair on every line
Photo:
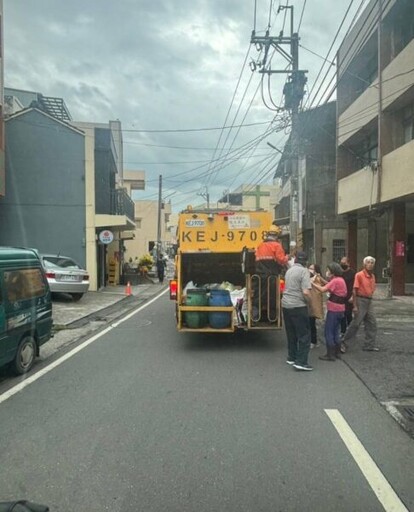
335, 306
295, 313
349, 277
315, 303
363, 291
161, 268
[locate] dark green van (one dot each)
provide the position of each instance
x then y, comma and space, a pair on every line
25, 308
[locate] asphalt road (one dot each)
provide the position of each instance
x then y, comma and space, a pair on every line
147, 419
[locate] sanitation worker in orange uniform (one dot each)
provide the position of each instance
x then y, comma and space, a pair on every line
270, 261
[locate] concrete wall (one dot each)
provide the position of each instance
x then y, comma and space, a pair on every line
398, 173
364, 109
90, 232
364, 27
359, 190
45, 203
146, 219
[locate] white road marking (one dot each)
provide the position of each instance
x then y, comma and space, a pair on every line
379, 484
33, 378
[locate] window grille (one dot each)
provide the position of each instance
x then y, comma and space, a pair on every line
338, 249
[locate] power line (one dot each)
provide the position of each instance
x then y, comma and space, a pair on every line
237, 152
330, 48
371, 109
177, 163
231, 104
166, 146
238, 131
368, 34
301, 15
284, 18
185, 130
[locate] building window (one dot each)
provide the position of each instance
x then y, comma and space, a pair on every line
367, 150
338, 249
371, 149
403, 28
24, 284
408, 124
138, 223
368, 75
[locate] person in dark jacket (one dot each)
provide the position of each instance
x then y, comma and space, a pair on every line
161, 267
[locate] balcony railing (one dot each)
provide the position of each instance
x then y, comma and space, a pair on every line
123, 204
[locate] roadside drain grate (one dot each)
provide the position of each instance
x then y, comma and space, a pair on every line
407, 411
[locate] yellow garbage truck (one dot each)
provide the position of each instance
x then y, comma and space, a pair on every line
215, 286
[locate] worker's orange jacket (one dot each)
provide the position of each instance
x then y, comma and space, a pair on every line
270, 257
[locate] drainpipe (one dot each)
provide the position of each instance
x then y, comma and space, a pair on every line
380, 147
380, 115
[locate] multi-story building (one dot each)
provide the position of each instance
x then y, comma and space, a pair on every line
250, 197
64, 194
146, 231
375, 138
108, 204
44, 205
321, 232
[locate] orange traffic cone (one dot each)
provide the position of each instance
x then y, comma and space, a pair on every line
128, 290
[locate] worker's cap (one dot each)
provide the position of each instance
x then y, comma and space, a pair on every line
274, 229
301, 257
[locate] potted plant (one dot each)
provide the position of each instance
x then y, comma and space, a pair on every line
145, 263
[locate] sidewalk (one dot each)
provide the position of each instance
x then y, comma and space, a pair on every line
66, 312
389, 374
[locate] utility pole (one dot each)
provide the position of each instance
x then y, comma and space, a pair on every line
159, 216
206, 196
293, 92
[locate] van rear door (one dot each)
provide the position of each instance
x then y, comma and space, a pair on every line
2, 320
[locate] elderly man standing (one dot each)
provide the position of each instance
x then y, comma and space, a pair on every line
295, 313
363, 291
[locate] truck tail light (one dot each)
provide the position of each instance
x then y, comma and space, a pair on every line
282, 286
173, 289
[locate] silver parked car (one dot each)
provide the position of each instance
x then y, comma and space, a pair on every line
64, 275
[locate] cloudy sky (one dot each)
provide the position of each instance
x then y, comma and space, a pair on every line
169, 69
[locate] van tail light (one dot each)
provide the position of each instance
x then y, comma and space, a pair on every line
50, 275
173, 289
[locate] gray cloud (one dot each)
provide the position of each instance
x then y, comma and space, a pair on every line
156, 64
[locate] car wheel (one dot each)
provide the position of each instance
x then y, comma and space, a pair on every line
77, 296
25, 356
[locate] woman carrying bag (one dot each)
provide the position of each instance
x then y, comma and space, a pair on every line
335, 306
315, 304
